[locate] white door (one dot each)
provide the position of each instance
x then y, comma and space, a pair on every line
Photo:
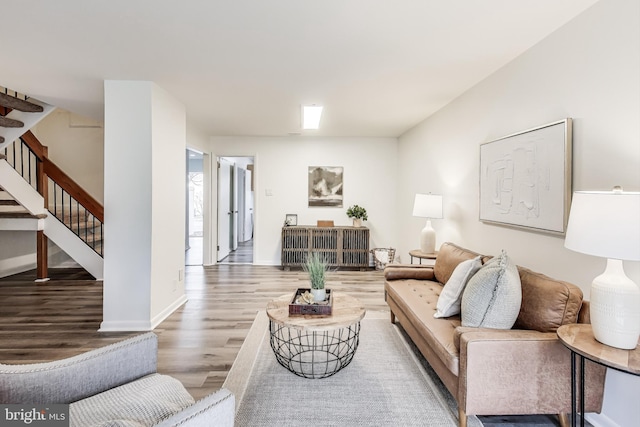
224, 207
234, 207
241, 205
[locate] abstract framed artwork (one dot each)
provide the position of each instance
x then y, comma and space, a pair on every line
325, 186
525, 178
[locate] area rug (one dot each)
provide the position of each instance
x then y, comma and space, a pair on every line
385, 384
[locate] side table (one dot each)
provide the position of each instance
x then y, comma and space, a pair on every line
417, 253
314, 346
579, 339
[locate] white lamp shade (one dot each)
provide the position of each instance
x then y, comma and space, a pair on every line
605, 224
427, 206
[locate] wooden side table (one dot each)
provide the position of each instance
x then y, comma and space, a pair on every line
579, 339
417, 253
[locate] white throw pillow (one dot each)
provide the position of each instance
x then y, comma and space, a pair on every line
451, 296
493, 295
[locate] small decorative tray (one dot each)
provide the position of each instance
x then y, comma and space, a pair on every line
319, 309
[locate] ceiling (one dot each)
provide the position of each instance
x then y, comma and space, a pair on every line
244, 67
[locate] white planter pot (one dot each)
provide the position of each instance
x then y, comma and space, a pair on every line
357, 222
319, 294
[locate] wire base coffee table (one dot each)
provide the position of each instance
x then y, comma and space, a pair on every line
315, 346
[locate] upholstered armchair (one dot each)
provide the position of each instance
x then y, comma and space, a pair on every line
117, 383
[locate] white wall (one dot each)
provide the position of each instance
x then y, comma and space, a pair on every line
281, 169
76, 145
144, 205
17, 252
588, 70
168, 203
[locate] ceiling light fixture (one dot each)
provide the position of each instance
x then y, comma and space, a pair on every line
311, 116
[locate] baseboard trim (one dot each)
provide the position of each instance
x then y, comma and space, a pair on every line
160, 317
125, 326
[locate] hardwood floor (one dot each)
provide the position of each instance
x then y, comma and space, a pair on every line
197, 344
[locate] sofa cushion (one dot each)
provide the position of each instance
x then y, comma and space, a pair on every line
141, 403
448, 258
493, 296
547, 303
417, 299
403, 271
451, 295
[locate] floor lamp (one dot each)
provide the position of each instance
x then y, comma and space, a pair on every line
428, 206
607, 224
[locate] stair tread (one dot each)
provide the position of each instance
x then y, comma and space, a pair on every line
10, 123
1, 139
24, 214
8, 202
19, 104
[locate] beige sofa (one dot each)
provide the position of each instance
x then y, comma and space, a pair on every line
523, 370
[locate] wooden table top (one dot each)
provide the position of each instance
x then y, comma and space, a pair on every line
419, 254
346, 311
580, 339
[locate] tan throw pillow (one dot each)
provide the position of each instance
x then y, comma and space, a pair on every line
451, 296
493, 295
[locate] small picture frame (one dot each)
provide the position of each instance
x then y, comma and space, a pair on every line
290, 220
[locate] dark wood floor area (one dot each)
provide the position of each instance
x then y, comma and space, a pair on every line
197, 344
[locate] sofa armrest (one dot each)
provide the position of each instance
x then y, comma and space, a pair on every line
520, 372
408, 271
69, 380
217, 409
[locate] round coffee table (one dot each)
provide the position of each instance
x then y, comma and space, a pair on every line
314, 346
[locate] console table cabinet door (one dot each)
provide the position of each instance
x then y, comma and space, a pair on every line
339, 246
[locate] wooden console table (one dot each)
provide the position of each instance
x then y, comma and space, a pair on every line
338, 246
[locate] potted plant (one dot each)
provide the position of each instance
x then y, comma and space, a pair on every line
316, 267
358, 213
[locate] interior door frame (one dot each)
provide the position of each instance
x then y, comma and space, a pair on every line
254, 208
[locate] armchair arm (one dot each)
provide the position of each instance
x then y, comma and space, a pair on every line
408, 271
217, 409
77, 377
520, 372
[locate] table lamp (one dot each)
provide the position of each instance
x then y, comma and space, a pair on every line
607, 224
428, 206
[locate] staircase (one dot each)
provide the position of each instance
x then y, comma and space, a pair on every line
36, 195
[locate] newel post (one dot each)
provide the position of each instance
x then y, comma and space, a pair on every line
42, 243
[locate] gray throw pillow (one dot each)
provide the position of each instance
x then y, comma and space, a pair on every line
451, 296
493, 295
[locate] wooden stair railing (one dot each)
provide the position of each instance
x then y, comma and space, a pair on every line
63, 197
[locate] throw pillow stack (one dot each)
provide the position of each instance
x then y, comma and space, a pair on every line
487, 296
451, 296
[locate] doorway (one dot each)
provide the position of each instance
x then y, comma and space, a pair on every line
235, 210
194, 209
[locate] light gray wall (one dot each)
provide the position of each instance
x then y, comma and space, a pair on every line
588, 70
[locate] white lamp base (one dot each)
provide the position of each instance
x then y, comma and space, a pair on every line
428, 239
615, 307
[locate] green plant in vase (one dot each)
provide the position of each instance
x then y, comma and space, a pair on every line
316, 267
358, 213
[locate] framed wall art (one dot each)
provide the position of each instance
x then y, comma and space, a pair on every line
290, 220
525, 179
325, 186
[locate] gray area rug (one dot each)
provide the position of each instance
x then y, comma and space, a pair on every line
385, 384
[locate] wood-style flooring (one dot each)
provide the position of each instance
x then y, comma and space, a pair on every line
197, 344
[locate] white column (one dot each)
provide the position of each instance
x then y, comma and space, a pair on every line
144, 197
